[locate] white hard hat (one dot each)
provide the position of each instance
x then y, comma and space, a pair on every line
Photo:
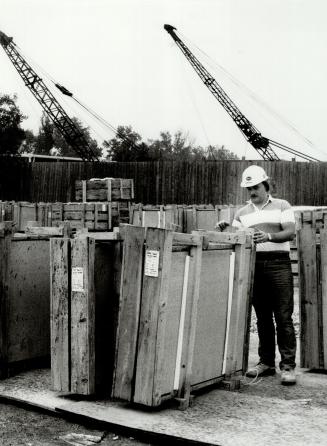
253, 175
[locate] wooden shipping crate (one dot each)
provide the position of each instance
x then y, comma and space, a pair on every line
24, 299
205, 218
93, 216
104, 189
85, 280
312, 254
184, 324
163, 216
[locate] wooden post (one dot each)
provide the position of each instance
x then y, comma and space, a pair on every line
323, 258
152, 316
193, 284
5, 242
83, 317
129, 312
60, 278
309, 354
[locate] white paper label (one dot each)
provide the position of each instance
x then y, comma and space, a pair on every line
77, 279
104, 207
151, 263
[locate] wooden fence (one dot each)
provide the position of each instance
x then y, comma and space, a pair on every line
216, 182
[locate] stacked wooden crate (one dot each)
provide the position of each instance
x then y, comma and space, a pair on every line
104, 189
161, 216
24, 298
312, 253
181, 218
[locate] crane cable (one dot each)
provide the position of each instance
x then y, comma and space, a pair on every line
211, 62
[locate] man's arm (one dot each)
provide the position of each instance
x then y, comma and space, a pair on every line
286, 234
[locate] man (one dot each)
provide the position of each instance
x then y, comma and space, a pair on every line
274, 225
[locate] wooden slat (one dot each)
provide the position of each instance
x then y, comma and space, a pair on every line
60, 314
152, 321
323, 309
129, 310
308, 296
83, 319
5, 242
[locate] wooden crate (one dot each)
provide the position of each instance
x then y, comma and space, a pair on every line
188, 289
312, 253
93, 216
205, 218
104, 189
85, 278
24, 299
163, 216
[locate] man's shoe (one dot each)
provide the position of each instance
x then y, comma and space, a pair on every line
288, 377
260, 370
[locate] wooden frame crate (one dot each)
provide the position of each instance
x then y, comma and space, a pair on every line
93, 216
205, 218
184, 324
312, 253
24, 299
163, 216
104, 189
85, 278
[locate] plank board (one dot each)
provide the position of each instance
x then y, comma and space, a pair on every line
60, 314
129, 309
83, 317
308, 297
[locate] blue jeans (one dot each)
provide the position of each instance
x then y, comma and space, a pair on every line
273, 303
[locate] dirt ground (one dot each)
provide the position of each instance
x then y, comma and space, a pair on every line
19, 427
263, 412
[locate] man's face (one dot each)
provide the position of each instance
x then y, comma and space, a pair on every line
258, 193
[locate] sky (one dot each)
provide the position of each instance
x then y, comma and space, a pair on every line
117, 59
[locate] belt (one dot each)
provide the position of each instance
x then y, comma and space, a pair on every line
267, 255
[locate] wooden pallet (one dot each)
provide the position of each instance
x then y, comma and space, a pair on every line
24, 299
104, 189
312, 253
188, 289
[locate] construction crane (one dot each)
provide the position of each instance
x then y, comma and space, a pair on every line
261, 144
66, 126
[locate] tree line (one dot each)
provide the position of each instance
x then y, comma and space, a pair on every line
126, 145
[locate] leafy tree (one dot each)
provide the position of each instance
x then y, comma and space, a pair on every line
11, 133
44, 139
28, 146
50, 140
126, 146
220, 153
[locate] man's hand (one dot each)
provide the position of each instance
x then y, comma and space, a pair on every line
260, 236
221, 225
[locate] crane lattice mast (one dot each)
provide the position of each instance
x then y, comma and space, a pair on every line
48, 102
259, 142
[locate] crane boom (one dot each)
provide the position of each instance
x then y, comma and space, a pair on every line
48, 102
259, 142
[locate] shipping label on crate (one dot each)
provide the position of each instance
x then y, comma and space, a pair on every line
151, 263
78, 279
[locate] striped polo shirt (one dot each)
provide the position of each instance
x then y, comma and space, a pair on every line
269, 218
